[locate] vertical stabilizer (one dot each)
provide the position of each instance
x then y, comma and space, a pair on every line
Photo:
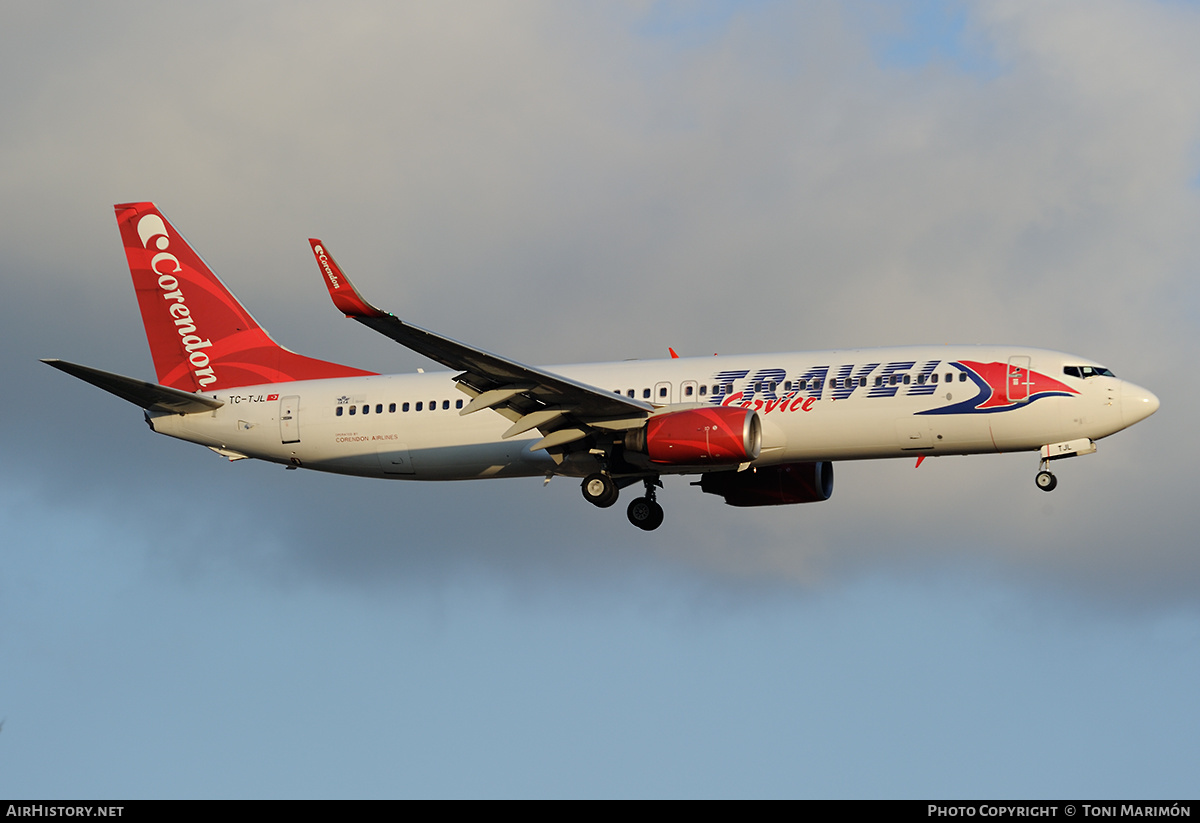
201, 338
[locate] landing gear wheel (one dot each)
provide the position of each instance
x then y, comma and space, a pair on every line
645, 513
600, 490
1046, 481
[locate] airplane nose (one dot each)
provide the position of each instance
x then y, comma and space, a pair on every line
1136, 404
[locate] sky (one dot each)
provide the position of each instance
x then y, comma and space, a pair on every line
599, 181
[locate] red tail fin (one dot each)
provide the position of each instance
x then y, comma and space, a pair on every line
200, 337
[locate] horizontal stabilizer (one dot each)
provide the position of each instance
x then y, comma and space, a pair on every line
149, 396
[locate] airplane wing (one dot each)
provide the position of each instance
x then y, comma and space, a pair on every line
565, 411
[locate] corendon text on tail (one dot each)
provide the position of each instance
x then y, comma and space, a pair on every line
758, 430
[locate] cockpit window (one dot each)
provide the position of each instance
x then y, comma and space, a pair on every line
1087, 371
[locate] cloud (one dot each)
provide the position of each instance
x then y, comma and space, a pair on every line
594, 182
574, 184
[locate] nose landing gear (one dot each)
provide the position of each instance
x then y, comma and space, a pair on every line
1045, 480
1058, 451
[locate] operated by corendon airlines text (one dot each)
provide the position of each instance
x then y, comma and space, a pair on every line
38, 810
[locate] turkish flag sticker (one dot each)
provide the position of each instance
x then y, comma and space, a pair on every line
272, 397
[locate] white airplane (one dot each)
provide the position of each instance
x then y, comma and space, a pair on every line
759, 430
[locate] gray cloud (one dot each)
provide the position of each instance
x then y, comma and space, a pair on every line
557, 184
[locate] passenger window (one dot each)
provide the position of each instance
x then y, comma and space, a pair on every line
445, 404
419, 405
646, 394
433, 405
907, 379
366, 408
920, 380
339, 411
662, 392
353, 409
933, 378
703, 391
962, 377
404, 407
878, 381
391, 408
458, 404
379, 408
630, 392
687, 391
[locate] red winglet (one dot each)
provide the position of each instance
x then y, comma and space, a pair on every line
345, 296
674, 356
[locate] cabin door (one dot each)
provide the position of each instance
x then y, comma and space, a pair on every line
1018, 380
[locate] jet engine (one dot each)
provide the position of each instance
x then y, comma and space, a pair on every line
719, 435
772, 485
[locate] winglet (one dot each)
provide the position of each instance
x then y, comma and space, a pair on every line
345, 297
674, 356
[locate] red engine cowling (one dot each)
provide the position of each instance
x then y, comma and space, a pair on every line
699, 437
772, 485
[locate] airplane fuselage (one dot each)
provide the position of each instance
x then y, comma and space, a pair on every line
834, 405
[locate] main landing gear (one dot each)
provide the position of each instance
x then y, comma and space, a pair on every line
644, 512
600, 490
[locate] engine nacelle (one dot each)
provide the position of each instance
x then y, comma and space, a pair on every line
772, 485
720, 435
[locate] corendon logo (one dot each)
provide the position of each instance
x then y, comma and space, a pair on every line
323, 259
166, 265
